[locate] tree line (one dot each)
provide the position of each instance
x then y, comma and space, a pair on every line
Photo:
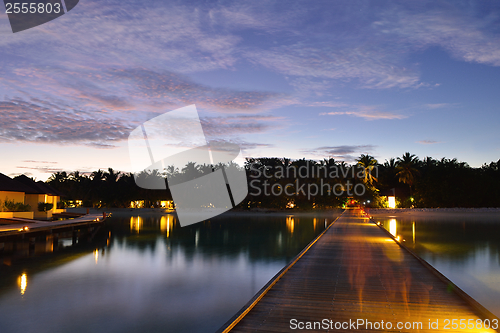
306, 184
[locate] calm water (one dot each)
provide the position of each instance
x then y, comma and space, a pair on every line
465, 249
147, 274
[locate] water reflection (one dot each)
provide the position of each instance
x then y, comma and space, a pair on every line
23, 283
136, 223
155, 276
393, 227
466, 250
290, 224
166, 224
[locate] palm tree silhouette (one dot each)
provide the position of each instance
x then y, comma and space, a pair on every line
368, 163
407, 169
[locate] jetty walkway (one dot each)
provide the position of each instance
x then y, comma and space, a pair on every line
16, 226
356, 277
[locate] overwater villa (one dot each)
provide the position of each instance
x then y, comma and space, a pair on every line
22, 197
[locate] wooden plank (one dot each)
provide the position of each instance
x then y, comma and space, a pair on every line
38, 226
356, 271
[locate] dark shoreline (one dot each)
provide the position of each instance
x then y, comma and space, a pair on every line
375, 212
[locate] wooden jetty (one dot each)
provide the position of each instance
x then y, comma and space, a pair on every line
356, 277
16, 226
23, 236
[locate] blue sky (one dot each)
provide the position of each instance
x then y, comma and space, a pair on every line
312, 79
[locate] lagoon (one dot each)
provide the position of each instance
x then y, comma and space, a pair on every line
465, 247
144, 273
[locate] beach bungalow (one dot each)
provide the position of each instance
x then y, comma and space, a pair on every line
12, 193
38, 193
167, 204
390, 196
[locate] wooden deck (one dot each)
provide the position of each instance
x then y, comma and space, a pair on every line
25, 226
355, 273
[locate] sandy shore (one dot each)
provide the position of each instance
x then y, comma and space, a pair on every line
420, 213
124, 212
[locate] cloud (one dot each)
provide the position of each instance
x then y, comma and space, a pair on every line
39, 162
439, 105
376, 115
100, 75
27, 121
344, 152
428, 142
374, 50
41, 121
169, 35
39, 169
237, 125
372, 68
245, 145
179, 90
330, 104
363, 111
463, 32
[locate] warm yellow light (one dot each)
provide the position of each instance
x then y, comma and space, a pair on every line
413, 231
392, 227
137, 204
136, 223
290, 224
290, 204
392, 202
168, 204
96, 255
166, 224
23, 282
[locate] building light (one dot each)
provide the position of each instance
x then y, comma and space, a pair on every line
290, 223
22, 281
392, 201
393, 227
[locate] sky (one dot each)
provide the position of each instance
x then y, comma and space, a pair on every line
296, 79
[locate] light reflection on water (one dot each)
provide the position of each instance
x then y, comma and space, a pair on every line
147, 274
466, 250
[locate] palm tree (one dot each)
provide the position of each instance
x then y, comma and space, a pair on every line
111, 176
58, 177
95, 188
391, 164
407, 169
97, 176
368, 163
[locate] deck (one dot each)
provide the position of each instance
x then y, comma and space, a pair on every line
16, 226
356, 277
